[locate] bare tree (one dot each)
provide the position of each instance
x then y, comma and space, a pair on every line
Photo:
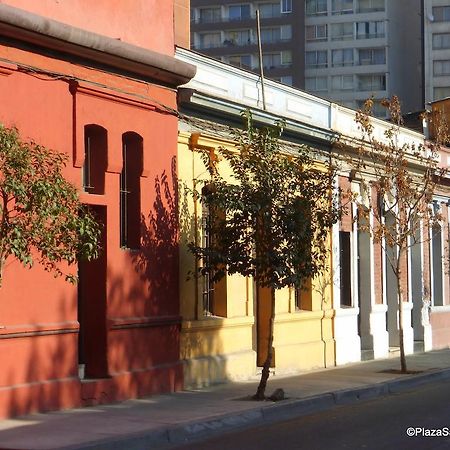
397, 181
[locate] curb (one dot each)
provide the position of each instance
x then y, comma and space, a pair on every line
273, 413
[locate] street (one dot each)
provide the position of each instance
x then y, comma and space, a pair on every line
376, 424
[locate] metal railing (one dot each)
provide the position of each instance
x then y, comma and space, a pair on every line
370, 36
203, 20
231, 43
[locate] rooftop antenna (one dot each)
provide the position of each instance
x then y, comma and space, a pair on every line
261, 69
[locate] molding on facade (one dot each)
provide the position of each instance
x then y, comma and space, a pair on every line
48, 33
38, 329
227, 82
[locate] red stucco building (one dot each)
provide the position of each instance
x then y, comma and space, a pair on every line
97, 81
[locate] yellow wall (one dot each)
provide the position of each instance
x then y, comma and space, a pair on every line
216, 349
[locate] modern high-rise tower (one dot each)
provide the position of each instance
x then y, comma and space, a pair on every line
436, 26
226, 30
344, 50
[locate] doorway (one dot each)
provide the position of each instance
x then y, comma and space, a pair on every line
92, 311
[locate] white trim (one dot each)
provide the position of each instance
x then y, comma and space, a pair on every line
335, 252
372, 261
430, 232
440, 309
354, 258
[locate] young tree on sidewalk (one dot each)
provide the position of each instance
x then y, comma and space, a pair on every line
270, 220
397, 180
40, 212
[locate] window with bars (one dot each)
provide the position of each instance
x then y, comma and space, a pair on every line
95, 159
207, 284
214, 293
130, 191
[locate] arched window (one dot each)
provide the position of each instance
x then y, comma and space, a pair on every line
130, 191
95, 158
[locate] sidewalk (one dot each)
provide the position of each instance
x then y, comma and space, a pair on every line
158, 421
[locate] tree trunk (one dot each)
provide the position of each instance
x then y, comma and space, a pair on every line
403, 367
260, 392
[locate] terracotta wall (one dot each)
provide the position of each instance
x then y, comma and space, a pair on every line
145, 23
39, 315
182, 21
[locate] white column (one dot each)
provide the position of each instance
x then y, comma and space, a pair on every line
348, 344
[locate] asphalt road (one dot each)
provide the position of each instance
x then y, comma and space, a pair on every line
378, 424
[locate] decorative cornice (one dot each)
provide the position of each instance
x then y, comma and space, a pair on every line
106, 94
225, 108
50, 34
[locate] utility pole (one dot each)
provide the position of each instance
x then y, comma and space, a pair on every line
261, 69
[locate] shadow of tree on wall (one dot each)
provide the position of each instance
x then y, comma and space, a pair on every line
44, 374
157, 262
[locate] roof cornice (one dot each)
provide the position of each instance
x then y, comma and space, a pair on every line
50, 34
229, 110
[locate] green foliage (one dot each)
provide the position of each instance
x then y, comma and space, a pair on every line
40, 212
271, 219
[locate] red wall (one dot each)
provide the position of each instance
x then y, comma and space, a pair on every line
146, 23
139, 325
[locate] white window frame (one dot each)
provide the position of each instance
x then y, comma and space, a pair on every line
315, 29
286, 6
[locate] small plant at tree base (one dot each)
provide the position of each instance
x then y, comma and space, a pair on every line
397, 180
270, 220
40, 212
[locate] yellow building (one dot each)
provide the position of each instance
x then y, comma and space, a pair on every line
225, 326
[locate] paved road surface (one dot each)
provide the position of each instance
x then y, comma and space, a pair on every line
378, 424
